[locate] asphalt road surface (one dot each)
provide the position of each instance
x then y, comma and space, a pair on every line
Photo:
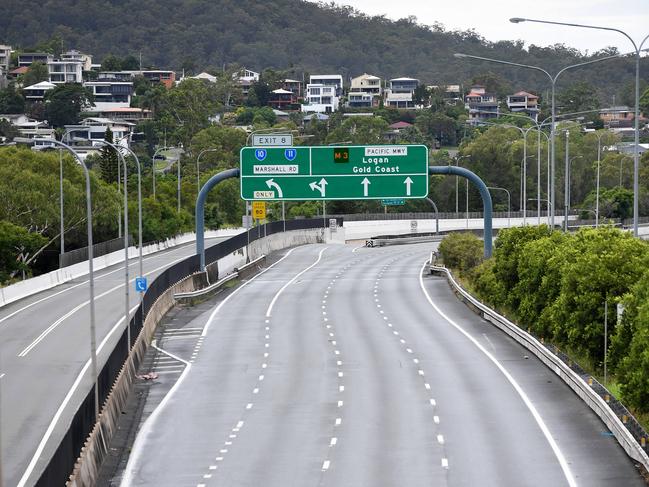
45, 346
342, 366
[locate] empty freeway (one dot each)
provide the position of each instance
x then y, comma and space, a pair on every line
45, 351
349, 366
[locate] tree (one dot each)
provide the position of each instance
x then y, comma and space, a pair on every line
8, 130
493, 83
578, 97
225, 144
64, 103
461, 251
36, 73
16, 245
360, 131
421, 95
644, 103
130, 63
189, 106
35, 207
11, 101
111, 63
109, 161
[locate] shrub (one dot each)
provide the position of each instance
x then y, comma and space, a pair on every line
461, 251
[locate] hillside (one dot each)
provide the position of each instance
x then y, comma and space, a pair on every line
285, 34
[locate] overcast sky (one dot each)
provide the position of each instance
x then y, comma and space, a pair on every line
491, 19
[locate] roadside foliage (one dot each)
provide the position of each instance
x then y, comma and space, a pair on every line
555, 285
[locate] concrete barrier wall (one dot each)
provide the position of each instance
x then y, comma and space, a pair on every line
96, 446
34, 285
554, 363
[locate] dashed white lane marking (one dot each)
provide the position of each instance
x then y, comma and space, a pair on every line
526, 400
436, 419
333, 441
440, 439
338, 421
325, 465
444, 462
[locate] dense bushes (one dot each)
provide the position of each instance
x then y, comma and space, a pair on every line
556, 285
462, 251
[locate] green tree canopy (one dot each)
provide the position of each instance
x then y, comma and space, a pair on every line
64, 103
36, 73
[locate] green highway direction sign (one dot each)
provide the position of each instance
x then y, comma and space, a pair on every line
334, 173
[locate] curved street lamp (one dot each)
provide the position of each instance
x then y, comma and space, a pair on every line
553, 81
91, 280
637, 50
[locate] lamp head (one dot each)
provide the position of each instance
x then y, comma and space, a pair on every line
517, 20
459, 55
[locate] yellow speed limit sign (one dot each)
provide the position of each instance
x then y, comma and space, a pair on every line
259, 210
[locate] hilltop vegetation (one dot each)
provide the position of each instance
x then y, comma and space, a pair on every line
288, 34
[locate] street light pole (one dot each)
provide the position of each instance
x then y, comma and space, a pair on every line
155, 153
553, 81
91, 278
61, 201
567, 183
198, 168
509, 203
637, 50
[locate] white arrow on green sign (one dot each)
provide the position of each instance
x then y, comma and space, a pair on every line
334, 173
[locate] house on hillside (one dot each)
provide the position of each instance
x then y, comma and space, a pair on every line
481, 105
400, 93
74, 55
27, 58
320, 99
70, 71
110, 92
294, 86
524, 102
37, 92
5, 58
94, 129
365, 91
281, 99
334, 80
164, 77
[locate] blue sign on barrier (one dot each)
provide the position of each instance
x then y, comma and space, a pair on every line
140, 284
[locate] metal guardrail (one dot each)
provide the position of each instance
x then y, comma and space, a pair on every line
585, 386
402, 240
102, 248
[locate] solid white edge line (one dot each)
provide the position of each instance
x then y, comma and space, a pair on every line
140, 439
60, 320
528, 403
135, 261
66, 400
277, 295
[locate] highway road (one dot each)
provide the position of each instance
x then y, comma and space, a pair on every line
45, 346
346, 366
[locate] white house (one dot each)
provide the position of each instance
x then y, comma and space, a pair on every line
94, 129
37, 92
365, 91
70, 71
335, 80
110, 94
320, 99
74, 55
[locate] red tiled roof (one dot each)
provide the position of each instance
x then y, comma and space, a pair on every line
525, 93
20, 70
400, 125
